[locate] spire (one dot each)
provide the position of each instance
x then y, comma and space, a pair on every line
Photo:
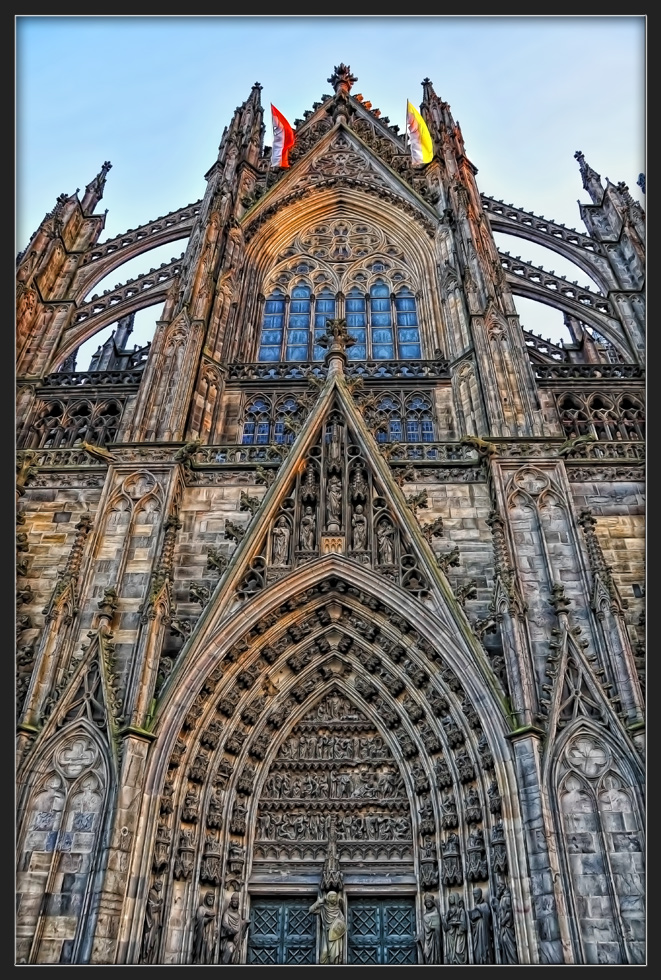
591, 179
94, 190
342, 79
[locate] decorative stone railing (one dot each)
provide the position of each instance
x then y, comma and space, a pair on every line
370, 370
90, 379
588, 372
545, 347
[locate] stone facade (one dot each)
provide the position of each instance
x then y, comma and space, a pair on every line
330, 606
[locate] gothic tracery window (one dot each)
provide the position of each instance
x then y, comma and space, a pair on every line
65, 425
609, 418
267, 420
383, 324
398, 417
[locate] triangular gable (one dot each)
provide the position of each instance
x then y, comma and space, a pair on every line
335, 470
340, 156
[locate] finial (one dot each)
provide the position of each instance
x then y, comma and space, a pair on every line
342, 79
336, 339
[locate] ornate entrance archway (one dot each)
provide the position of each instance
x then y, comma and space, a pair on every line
329, 702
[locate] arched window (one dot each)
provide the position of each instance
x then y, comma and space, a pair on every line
419, 423
298, 327
257, 422
383, 325
286, 410
356, 316
272, 327
408, 333
389, 419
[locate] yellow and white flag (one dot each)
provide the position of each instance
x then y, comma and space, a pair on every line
422, 148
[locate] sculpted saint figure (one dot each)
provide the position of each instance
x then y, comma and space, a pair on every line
152, 922
333, 927
334, 499
456, 928
504, 919
232, 930
281, 535
480, 917
429, 939
308, 523
205, 927
385, 534
359, 525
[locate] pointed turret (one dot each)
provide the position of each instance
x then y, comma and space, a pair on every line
591, 179
342, 81
94, 190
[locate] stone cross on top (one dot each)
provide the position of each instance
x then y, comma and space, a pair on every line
336, 340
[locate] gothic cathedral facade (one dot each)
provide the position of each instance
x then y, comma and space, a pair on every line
330, 626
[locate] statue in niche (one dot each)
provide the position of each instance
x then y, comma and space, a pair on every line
504, 925
429, 940
153, 914
456, 930
281, 534
308, 525
480, 917
205, 928
385, 534
359, 525
333, 927
334, 500
309, 485
232, 930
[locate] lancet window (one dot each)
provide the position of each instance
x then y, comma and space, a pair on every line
384, 324
267, 420
63, 424
607, 417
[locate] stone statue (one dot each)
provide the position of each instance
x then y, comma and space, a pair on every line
456, 929
385, 534
281, 534
308, 524
334, 500
152, 929
205, 928
429, 940
232, 930
333, 927
359, 525
480, 917
504, 923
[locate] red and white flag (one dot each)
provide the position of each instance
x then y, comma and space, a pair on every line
283, 139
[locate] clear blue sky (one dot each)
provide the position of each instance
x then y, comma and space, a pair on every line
153, 94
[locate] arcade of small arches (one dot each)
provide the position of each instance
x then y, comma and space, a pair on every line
616, 418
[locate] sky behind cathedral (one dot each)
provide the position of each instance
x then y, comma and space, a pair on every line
153, 95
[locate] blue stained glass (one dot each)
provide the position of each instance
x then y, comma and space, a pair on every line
300, 306
427, 430
271, 336
408, 336
297, 353
412, 430
381, 319
380, 304
407, 320
357, 352
380, 289
405, 300
409, 351
355, 304
278, 432
318, 353
262, 433
383, 351
395, 427
274, 305
382, 336
297, 337
248, 433
300, 290
269, 354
